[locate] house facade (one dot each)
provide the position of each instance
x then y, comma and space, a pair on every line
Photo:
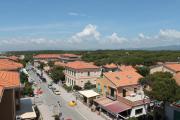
80, 72
122, 97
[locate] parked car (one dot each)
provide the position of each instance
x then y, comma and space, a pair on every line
57, 92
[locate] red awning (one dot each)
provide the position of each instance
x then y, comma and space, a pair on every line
117, 107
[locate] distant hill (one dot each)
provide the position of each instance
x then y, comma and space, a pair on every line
170, 47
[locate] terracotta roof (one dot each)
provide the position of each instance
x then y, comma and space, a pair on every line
117, 107
123, 78
70, 55
81, 65
112, 65
127, 68
60, 64
8, 80
15, 58
173, 66
103, 101
177, 78
6, 64
46, 56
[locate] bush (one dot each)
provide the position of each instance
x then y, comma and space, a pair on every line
89, 85
77, 88
67, 88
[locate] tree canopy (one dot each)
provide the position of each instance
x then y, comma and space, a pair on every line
56, 73
163, 87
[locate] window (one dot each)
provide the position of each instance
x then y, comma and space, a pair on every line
105, 89
138, 111
135, 90
88, 73
124, 93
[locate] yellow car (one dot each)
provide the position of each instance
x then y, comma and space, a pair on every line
72, 103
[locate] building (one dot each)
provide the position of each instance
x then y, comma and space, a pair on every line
48, 57
121, 83
127, 68
123, 97
9, 94
173, 68
69, 58
80, 72
110, 67
9, 65
60, 64
172, 111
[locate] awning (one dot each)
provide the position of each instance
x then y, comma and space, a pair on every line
88, 93
27, 110
29, 115
117, 107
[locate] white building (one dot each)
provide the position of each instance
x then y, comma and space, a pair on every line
80, 72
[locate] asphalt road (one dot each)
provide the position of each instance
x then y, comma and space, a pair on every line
50, 99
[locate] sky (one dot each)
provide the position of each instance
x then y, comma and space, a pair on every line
88, 24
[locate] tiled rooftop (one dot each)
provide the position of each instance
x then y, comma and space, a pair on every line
8, 80
81, 65
70, 55
127, 68
112, 65
46, 56
6, 64
123, 78
173, 66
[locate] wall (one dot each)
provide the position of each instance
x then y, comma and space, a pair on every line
170, 112
7, 106
160, 69
105, 82
81, 77
156, 69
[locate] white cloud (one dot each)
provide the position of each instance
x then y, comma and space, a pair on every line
77, 14
91, 38
88, 33
73, 13
170, 33
114, 38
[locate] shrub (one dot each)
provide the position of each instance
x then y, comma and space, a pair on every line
77, 88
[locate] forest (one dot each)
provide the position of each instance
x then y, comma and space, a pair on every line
128, 57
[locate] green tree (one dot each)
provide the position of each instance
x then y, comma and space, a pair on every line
88, 85
50, 63
144, 71
41, 66
163, 88
56, 73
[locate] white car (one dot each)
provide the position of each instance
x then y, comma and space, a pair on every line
57, 92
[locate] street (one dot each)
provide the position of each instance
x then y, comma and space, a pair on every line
50, 99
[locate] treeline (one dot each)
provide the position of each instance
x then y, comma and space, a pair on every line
129, 57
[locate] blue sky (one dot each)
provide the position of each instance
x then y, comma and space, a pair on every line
88, 24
